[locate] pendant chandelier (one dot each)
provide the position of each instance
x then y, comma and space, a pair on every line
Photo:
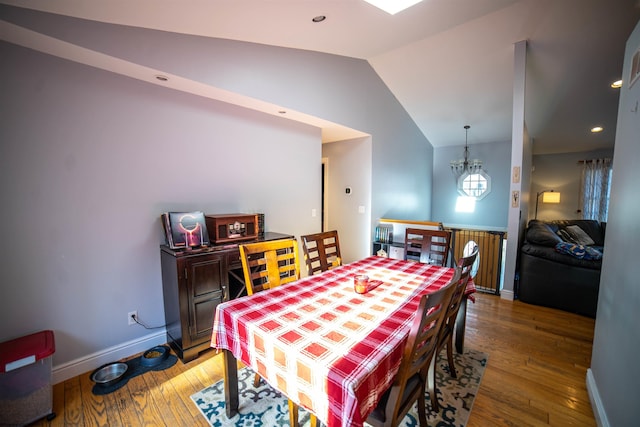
466, 166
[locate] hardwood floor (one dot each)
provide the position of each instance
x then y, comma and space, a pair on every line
535, 376
538, 360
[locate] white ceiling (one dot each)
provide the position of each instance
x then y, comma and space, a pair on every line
448, 62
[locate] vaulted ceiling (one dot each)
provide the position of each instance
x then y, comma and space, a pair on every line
448, 62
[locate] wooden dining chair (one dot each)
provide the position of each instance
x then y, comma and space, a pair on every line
410, 382
266, 265
269, 264
427, 246
445, 337
321, 251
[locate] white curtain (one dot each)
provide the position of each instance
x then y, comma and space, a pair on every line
596, 188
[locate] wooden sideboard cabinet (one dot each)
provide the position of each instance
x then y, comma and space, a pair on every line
194, 282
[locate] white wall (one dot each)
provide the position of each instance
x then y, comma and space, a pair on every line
520, 158
560, 172
349, 166
614, 375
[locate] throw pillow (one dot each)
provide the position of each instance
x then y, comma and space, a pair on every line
578, 251
540, 233
565, 236
579, 235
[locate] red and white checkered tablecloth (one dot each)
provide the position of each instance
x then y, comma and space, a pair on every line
327, 348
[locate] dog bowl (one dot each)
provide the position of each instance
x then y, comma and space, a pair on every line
109, 374
154, 356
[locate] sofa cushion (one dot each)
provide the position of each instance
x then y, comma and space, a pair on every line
579, 235
565, 260
540, 233
578, 251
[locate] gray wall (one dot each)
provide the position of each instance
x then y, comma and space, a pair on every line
560, 172
90, 159
491, 212
615, 372
340, 89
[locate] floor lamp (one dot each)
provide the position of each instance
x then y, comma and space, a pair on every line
548, 196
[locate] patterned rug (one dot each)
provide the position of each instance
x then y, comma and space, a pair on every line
266, 407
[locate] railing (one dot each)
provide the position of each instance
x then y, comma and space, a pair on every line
491, 249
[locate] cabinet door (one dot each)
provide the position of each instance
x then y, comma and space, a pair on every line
207, 282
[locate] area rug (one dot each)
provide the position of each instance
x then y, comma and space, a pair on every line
266, 407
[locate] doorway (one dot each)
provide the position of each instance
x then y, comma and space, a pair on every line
347, 194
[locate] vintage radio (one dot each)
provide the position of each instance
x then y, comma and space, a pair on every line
232, 227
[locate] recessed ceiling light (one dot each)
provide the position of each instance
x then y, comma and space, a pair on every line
617, 84
162, 78
597, 129
319, 18
393, 6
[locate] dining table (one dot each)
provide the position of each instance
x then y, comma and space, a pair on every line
329, 349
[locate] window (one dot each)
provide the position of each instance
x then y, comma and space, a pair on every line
595, 189
476, 184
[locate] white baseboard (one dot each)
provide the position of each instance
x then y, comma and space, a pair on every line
507, 294
90, 362
596, 403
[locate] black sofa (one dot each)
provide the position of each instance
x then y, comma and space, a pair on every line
560, 266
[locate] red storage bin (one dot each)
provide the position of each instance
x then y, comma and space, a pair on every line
25, 379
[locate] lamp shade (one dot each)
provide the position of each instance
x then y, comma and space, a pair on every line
550, 197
